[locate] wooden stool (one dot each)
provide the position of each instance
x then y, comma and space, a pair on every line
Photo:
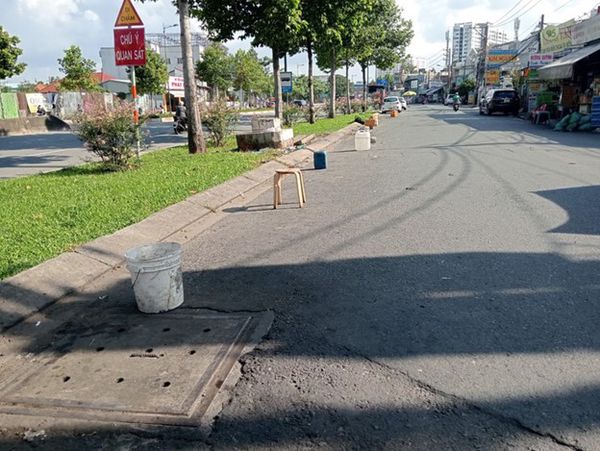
279, 174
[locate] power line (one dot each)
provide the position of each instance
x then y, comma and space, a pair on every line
509, 11
521, 13
563, 5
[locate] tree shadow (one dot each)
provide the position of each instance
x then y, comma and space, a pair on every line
535, 134
582, 203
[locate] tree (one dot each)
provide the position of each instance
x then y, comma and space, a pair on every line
153, 77
26, 86
248, 73
270, 23
216, 69
336, 37
195, 136
387, 41
78, 71
9, 53
466, 87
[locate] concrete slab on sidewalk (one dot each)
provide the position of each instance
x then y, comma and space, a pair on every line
110, 249
132, 368
31, 290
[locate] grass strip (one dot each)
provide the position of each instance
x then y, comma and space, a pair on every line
325, 126
45, 215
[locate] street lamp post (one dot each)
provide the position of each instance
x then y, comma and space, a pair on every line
164, 39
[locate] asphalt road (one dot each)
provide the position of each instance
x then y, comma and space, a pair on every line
437, 292
45, 152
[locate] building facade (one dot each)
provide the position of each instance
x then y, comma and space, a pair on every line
468, 36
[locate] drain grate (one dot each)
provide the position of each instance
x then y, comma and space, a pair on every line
157, 369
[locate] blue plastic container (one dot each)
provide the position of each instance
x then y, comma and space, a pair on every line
320, 159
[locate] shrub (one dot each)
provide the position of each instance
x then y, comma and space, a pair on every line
292, 114
219, 118
109, 133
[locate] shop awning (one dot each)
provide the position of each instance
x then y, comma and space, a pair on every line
563, 68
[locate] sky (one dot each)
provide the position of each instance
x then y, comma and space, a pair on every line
47, 27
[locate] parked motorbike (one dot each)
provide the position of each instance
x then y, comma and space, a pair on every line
180, 125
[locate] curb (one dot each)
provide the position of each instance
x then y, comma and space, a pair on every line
34, 289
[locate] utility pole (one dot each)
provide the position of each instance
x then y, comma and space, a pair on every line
540, 35
482, 62
448, 60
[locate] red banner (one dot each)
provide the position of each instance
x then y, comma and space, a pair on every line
130, 47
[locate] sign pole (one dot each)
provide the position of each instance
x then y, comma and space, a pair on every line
136, 114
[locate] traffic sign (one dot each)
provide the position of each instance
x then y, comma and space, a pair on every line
130, 47
286, 82
128, 16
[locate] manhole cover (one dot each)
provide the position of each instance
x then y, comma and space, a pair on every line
155, 369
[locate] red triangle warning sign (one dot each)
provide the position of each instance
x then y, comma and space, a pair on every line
128, 16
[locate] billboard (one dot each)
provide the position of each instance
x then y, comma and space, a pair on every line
496, 58
556, 38
492, 77
537, 60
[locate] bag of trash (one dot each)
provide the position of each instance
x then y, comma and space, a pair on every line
574, 118
585, 119
587, 127
560, 126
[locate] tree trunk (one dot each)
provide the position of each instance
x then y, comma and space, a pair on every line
277, 82
364, 79
195, 137
348, 103
332, 86
311, 86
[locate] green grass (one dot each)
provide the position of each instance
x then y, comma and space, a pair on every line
45, 215
325, 126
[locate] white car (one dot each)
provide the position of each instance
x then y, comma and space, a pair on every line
449, 100
403, 103
393, 103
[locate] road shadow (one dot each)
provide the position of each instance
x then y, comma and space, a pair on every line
461, 305
499, 123
582, 204
43, 141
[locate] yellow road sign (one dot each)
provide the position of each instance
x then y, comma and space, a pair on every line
128, 16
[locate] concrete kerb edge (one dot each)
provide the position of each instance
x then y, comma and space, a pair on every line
252, 182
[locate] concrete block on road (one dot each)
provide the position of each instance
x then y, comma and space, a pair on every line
40, 286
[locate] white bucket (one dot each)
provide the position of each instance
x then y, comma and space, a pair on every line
362, 139
156, 276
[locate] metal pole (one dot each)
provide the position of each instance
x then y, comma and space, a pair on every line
448, 60
136, 114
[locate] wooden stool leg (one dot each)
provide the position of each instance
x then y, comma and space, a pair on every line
276, 194
299, 189
303, 188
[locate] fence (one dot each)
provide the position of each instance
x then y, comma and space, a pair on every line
9, 105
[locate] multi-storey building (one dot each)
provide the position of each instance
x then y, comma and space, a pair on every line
468, 36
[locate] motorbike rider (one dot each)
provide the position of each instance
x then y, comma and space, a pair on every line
456, 101
181, 114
